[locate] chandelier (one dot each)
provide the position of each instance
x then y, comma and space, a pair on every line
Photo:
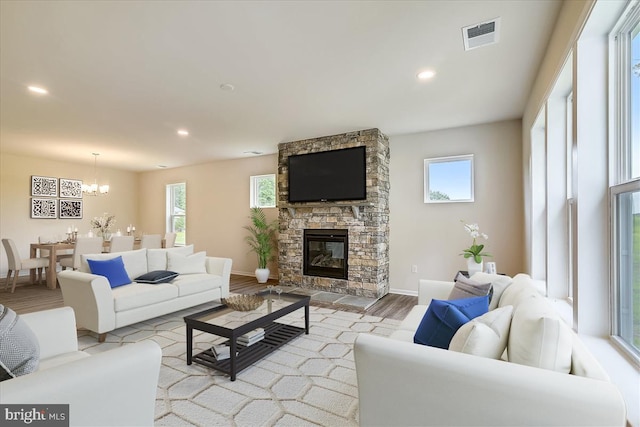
95, 189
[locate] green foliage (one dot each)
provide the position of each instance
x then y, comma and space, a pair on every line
438, 195
475, 251
261, 236
266, 192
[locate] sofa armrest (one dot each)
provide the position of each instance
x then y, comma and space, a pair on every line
221, 267
433, 289
91, 298
114, 388
55, 330
406, 384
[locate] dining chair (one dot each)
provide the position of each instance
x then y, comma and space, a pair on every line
84, 245
121, 243
151, 241
169, 240
16, 263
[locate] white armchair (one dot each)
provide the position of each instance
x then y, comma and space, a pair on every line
114, 388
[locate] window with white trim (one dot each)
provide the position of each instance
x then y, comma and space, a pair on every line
625, 186
177, 211
263, 191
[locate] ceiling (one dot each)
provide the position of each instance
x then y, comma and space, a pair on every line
123, 77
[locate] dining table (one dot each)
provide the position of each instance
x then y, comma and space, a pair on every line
54, 248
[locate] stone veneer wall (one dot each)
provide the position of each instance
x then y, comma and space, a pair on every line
368, 273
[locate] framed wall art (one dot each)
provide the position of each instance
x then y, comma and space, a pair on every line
44, 208
70, 209
70, 188
44, 186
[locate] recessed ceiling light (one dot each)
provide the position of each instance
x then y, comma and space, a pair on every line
426, 75
228, 87
183, 132
38, 90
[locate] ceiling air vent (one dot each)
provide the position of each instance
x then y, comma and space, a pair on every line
482, 34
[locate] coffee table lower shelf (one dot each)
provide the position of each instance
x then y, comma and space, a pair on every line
275, 336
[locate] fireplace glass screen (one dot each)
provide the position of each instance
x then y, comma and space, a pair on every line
326, 253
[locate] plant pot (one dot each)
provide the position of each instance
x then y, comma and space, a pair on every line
473, 267
262, 274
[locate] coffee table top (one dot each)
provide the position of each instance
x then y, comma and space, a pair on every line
222, 317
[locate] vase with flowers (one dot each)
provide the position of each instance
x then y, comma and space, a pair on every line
102, 225
474, 254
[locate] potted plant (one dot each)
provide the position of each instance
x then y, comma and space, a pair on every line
474, 254
260, 239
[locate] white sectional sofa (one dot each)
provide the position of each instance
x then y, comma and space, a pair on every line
100, 308
114, 388
405, 384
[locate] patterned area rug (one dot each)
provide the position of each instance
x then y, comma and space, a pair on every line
310, 381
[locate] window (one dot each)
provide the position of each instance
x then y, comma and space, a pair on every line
448, 179
625, 188
263, 191
177, 211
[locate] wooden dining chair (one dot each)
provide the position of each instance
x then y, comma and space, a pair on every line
121, 243
16, 263
169, 240
151, 241
84, 245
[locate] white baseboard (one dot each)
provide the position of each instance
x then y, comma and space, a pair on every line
251, 274
403, 292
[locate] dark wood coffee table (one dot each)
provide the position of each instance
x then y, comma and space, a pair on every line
226, 322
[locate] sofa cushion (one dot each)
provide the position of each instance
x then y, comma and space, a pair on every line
485, 335
19, 347
135, 262
521, 289
157, 258
498, 282
142, 294
443, 318
539, 337
112, 269
190, 284
467, 288
187, 264
157, 276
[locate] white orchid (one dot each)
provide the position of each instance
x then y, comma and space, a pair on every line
474, 250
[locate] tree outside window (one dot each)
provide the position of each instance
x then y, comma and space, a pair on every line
177, 211
263, 191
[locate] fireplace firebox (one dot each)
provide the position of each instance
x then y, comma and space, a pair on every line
326, 253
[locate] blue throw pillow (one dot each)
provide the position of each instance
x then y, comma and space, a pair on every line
157, 276
112, 269
444, 318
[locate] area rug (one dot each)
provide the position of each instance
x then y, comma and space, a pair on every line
310, 381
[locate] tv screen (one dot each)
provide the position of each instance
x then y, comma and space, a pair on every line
328, 175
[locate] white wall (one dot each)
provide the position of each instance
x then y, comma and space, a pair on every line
431, 236
217, 206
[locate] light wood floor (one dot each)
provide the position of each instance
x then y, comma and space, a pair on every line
36, 297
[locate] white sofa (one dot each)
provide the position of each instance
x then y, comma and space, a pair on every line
114, 388
100, 308
405, 384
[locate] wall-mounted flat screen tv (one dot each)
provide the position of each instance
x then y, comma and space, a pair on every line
328, 175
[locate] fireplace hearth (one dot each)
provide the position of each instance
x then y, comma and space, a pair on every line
326, 253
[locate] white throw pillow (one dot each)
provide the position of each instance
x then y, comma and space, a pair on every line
499, 283
539, 337
186, 264
157, 258
484, 336
135, 262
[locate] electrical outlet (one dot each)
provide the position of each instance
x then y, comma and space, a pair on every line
414, 268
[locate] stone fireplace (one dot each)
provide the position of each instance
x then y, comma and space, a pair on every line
339, 247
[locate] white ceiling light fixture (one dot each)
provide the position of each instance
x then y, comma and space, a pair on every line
183, 132
426, 75
227, 87
482, 34
95, 189
37, 89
